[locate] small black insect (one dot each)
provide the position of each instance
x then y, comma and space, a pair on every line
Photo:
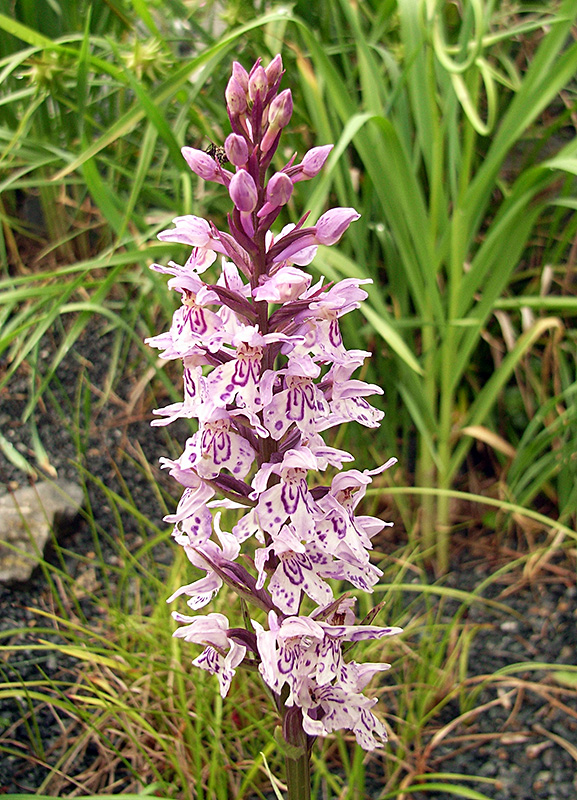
216, 152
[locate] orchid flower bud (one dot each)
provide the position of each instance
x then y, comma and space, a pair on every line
236, 149
241, 75
257, 84
278, 192
279, 189
235, 97
333, 224
279, 114
243, 191
280, 110
274, 70
311, 165
201, 164
314, 160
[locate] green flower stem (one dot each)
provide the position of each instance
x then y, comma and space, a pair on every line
296, 745
298, 777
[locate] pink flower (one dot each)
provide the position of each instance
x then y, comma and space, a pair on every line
333, 224
307, 655
194, 395
217, 446
193, 326
285, 285
203, 555
239, 378
297, 572
240, 75
192, 518
301, 403
274, 70
280, 112
190, 230
290, 499
327, 231
340, 708
311, 164
257, 83
211, 630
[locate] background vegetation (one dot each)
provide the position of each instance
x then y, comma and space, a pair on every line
454, 128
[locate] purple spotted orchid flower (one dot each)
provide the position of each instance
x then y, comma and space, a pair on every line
265, 373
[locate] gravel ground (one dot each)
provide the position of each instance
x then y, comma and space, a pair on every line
525, 737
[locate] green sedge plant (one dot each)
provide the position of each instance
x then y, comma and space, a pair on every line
457, 175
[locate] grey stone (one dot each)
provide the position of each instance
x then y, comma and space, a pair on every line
27, 517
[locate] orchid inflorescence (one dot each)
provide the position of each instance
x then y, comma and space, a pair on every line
265, 373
